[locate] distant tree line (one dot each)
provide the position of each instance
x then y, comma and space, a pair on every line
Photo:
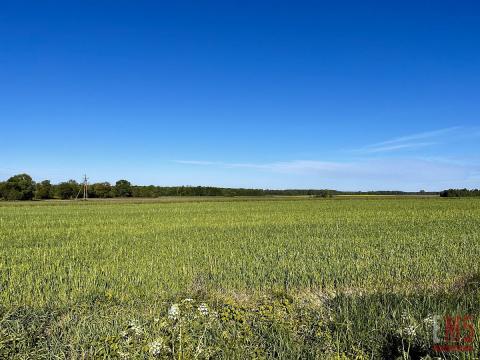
22, 187
460, 193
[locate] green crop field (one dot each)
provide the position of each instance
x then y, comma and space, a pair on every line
274, 278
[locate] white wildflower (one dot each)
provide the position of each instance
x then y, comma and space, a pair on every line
156, 347
203, 308
135, 327
174, 312
409, 331
429, 320
137, 330
123, 355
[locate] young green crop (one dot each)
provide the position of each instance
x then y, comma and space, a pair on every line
364, 260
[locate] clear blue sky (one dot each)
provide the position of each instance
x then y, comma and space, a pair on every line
352, 95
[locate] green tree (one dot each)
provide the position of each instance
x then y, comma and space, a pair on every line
324, 193
2, 189
44, 190
18, 187
123, 188
67, 190
102, 190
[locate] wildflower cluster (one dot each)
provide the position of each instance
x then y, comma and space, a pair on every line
408, 326
158, 347
135, 328
174, 312
203, 309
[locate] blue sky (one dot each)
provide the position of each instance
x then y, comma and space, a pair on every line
272, 94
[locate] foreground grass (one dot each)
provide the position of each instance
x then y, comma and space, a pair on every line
287, 279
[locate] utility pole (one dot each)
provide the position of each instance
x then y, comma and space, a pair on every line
84, 188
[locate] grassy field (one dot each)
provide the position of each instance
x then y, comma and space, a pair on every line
271, 278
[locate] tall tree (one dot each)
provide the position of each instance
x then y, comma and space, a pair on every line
18, 187
67, 190
101, 190
123, 188
44, 190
